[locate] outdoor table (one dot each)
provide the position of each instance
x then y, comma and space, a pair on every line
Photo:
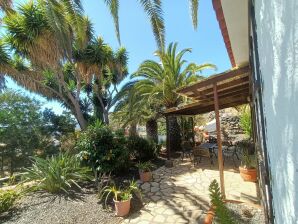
210, 146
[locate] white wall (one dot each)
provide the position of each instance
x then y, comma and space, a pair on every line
277, 35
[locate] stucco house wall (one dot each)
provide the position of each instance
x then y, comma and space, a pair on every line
277, 37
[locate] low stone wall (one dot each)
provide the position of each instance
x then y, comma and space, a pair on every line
230, 123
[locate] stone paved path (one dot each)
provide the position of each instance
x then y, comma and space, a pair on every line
180, 194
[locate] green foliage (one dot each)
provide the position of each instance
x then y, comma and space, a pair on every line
142, 148
68, 142
186, 125
145, 166
56, 54
104, 150
248, 161
119, 194
245, 120
11, 181
58, 125
162, 130
57, 174
160, 79
27, 131
154, 11
20, 128
222, 213
7, 199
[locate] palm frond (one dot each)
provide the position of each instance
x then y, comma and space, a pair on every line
114, 11
153, 9
194, 7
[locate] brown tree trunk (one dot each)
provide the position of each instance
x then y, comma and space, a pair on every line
133, 130
173, 134
152, 130
78, 112
106, 116
80, 117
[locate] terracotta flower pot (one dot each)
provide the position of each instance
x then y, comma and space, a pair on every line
122, 207
248, 174
209, 216
145, 176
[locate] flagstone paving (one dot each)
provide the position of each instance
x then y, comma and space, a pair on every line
180, 194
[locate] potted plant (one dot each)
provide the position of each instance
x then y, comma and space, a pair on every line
121, 197
248, 170
145, 171
218, 209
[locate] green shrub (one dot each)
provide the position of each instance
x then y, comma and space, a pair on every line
104, 150
7, 199
248, 161
222, 214
245, 121
56, 174
141, 148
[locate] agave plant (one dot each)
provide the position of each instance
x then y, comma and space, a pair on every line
56, 174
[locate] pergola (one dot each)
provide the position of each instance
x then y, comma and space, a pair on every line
227, 89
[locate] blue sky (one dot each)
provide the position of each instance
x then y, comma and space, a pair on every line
136, 35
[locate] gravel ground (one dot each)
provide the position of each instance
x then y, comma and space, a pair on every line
44, 208
246, 214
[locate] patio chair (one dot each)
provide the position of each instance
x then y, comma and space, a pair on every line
187, 149
199, 153
230, 151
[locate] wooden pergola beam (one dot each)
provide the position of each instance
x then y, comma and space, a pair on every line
221, 87
215, 79
198, 108
227, 93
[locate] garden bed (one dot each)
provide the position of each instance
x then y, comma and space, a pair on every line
245, 213
45, 208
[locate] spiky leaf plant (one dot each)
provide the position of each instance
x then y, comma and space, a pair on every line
120, 194
57, 174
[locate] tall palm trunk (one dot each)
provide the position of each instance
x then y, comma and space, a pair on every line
151, 130
173, 134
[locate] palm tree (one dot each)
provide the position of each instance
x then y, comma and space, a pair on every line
132, 108
56, 54
153, 9
5, 5
158, 80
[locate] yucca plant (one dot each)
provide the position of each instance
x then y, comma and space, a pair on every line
57, 174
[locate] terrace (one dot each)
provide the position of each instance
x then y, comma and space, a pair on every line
180, 194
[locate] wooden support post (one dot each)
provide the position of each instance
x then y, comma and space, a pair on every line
219, 143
